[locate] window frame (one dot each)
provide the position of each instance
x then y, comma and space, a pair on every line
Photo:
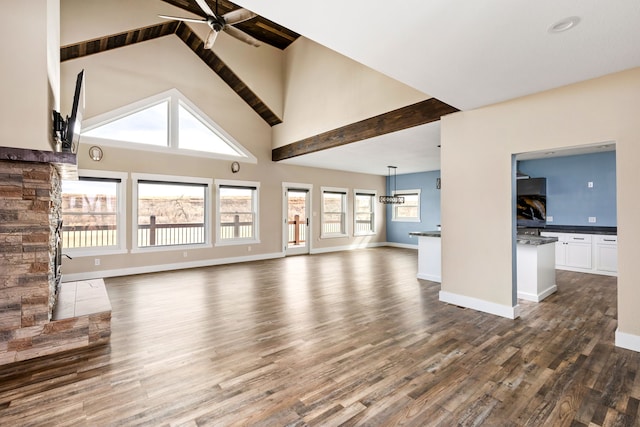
345, 206
394, 207
175, 99
374, 196
121, 215
256, 214
136, 178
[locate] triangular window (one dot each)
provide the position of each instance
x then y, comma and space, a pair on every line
167, 121
194, 134
148, 126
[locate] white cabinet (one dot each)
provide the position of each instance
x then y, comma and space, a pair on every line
586, 253
607, 253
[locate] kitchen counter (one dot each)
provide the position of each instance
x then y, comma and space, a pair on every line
580, 229
429, 255
425, 233
523, 239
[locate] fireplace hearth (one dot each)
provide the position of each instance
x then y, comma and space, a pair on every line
31, 261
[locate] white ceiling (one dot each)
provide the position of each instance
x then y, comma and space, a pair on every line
466, 53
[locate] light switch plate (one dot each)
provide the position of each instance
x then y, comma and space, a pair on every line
590, 185
592, 219
549, 218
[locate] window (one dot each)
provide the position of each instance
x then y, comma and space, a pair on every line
165, 122
92, 213
364, 212
334, 212
410, 210
170, 211
237, 206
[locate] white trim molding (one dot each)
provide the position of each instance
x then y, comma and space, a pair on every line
347, 248
628, 341
480, 305
167, 267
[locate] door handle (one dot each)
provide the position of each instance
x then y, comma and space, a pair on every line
307, 222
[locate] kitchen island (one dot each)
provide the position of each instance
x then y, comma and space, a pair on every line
429, 249
536, 273
536, 267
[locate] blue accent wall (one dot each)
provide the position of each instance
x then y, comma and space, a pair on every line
569, 200
397, 231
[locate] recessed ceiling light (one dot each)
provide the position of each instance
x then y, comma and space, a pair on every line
564, 24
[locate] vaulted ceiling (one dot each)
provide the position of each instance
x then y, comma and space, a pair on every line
466, 54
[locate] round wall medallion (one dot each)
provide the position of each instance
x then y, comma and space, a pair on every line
95, 153
235, 167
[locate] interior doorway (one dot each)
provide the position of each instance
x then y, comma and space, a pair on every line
297, 221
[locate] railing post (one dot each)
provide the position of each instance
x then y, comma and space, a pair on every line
296, 233
236, 226
152, 230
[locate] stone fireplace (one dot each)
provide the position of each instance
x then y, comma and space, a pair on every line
30, 258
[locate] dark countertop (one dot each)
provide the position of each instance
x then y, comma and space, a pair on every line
583, 229
425, 233
522, 239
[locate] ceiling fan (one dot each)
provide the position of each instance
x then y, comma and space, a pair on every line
219, 23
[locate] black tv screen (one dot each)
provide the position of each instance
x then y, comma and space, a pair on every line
74, 122
531, 210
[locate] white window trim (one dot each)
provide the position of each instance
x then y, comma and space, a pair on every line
135, 177
393, 207
175, 98
345, 210
373, 193
121, 216
234, 242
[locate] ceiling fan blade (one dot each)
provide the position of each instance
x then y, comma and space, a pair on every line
241, 35
205, 7
177, 18
211, 39
237, 16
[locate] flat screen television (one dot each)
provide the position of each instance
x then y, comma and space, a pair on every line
68, 131
74, 122
531, 203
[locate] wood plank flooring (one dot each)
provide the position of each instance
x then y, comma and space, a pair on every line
349, 338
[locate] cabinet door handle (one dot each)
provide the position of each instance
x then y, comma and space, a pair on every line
578, 238
609, 240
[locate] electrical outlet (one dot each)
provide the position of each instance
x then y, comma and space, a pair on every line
590, 185
97, 261
592, 219
549, 218
184, 254
248, 248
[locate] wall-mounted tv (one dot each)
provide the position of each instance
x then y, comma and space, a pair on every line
531, 202
67, 132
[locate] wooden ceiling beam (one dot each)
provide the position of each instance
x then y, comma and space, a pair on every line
420, 113
102, 44
196, 44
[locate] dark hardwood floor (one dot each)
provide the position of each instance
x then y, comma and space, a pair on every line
348, 338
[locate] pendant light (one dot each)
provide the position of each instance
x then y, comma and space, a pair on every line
392, 199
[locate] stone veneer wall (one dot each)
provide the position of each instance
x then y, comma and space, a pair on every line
30, 206
27, 213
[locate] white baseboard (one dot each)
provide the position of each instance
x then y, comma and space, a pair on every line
402, 245
429, 277
628, 341
166, 267
480, 305
539, 297
347, 248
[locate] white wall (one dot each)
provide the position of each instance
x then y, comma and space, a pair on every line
29, 67
325, 90
477, 176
